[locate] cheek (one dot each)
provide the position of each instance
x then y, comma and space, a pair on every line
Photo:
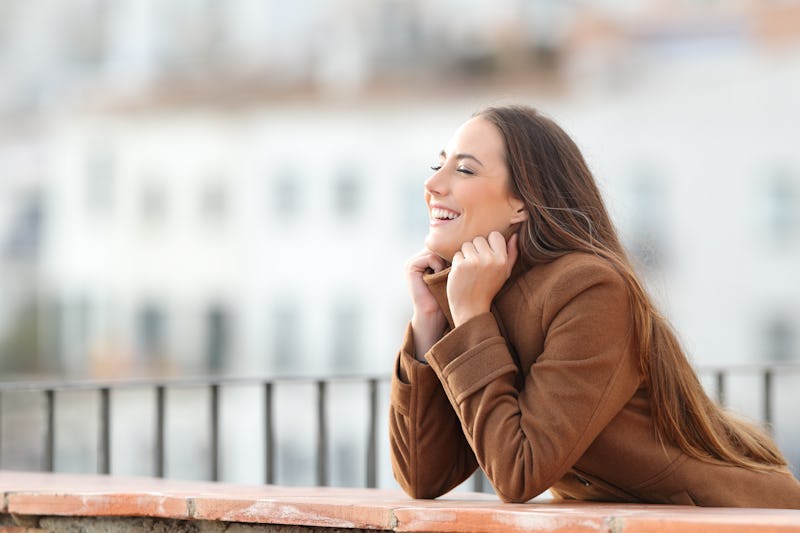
489, 208
474, 200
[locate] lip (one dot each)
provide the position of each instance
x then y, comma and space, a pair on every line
440, 222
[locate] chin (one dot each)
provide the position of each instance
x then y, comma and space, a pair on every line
440, 249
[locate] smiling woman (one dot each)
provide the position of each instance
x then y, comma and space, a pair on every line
534, 353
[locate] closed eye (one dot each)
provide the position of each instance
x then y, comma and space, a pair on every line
436, 167
465, 170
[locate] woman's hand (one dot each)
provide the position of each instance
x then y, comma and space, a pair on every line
428, 321
479, 269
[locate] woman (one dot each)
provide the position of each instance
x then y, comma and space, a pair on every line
534, 352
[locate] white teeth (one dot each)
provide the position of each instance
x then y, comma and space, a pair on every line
443, 214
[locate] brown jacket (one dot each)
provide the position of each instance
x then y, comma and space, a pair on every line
575, 418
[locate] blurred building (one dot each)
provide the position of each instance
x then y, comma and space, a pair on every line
266, 240
233, 187
202, 158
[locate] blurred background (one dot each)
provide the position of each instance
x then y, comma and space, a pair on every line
191, 187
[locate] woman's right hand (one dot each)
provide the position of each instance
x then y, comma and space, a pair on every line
428, 321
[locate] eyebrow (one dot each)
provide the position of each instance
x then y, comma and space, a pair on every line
462, 156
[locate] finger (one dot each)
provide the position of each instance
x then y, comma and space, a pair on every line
458, 257
468, 250
482, 246
497, 243
427, 258
435, 262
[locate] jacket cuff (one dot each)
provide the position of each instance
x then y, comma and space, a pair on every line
409, 373
471, 356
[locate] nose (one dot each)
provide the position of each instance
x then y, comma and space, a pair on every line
437, 184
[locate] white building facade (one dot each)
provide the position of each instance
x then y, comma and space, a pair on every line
194, 229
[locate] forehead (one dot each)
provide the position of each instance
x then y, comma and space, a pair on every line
478, 137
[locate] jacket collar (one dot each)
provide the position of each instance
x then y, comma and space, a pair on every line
437, 284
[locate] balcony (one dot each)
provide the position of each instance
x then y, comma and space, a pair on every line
38, 502
53, 500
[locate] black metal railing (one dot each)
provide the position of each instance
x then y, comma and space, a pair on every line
50, 392
765, 373
717, 376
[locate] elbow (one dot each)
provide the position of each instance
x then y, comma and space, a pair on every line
515, 491
420, 493
518, 496
517, 480
513, 498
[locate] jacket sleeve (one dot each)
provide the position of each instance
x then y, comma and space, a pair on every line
527, 440
430, 455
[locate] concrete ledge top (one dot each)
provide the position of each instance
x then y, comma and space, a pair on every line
41, 494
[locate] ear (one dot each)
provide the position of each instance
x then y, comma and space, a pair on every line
519, 212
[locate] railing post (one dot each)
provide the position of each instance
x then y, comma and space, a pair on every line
372, 444
322, 437
158, 459
768, 399
50, 432
214, 432
104, 436
720, 387
269, 442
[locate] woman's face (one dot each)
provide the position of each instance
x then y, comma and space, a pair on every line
469, 193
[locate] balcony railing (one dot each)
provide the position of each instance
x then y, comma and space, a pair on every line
716, 378
159, 387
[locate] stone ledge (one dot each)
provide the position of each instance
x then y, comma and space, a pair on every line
54, 502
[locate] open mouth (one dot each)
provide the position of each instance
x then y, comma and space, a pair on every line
439, 213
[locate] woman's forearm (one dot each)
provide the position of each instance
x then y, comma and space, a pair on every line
428, 329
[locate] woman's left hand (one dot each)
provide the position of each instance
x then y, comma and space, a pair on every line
478, 272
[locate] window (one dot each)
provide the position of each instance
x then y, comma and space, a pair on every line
25, 229
217, 337
781, 208
347, 192
152, 332
780, 339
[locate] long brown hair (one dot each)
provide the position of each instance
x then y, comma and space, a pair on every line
567, 213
